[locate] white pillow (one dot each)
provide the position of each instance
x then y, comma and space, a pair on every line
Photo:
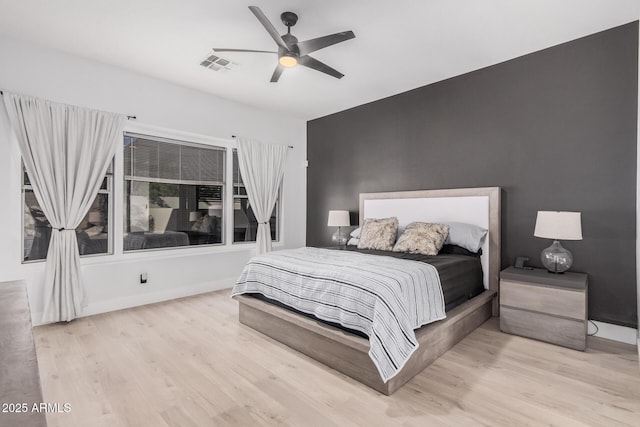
356, 233
465, 235
353, 242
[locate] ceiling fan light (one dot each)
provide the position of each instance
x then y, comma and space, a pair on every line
288, 61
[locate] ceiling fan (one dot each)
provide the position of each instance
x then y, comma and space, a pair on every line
292, 52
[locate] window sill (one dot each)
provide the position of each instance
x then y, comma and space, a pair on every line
160, 254
274, 244
154, 255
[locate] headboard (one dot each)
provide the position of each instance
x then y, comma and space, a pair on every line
479, 206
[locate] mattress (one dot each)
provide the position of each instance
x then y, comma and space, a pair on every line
460, 277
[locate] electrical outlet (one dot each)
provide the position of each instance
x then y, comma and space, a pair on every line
143, 278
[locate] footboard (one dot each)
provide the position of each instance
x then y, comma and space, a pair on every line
348, 353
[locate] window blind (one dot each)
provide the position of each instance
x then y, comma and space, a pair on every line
163, 160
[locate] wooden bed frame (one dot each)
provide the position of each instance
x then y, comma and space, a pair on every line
349, 353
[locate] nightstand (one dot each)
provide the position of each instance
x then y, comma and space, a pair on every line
544, 306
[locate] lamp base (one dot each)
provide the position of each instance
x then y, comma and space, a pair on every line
556, 258
340, 238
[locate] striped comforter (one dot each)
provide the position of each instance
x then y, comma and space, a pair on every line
385, 298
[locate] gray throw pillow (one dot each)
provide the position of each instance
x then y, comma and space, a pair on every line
94, 231
198, 224
422, 238
378, 234
208, 224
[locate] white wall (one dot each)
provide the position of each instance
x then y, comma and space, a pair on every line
112, 282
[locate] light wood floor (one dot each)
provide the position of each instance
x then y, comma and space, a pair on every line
189, 362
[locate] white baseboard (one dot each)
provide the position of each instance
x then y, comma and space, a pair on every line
150, 298
615, 332
605, 330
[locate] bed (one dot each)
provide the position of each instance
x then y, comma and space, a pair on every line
99, 243
347, 352
93, 238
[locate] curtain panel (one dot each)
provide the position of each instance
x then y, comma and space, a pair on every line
66, 151
262, 169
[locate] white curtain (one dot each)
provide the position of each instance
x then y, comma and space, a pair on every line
262, 169
66, 151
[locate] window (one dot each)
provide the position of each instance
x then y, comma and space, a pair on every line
245, 225
93, 233
173, 195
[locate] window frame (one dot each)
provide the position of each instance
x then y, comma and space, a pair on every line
110, 229
185, 141
278, 206
116, 253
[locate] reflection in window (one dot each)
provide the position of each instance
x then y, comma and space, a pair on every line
245, 224
173, 193
93, 233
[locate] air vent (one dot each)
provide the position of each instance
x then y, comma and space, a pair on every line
216, 63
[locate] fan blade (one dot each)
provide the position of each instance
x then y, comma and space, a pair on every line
215, 49
310, 62
276, 73
308, 46
269, 27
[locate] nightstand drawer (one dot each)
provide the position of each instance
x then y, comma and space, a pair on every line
545, 299
564, 332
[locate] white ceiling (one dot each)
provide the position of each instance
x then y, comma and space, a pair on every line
399, 45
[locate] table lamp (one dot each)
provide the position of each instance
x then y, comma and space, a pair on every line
95, 217
339, 219
558, 226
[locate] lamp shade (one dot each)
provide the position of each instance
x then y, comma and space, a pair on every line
558, 225
95, 217
339, 219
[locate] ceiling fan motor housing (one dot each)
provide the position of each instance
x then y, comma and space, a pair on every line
291, 41
289, 19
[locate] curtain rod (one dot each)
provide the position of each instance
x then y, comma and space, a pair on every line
233, 136
128, 117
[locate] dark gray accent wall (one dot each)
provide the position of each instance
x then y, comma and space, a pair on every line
556, 129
